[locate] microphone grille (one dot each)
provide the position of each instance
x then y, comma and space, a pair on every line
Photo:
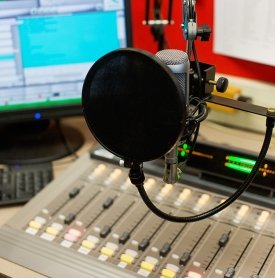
173, 56
178, 62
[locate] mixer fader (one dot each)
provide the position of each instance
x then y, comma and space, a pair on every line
90, 222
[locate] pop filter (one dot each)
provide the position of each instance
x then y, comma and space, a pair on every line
134, 105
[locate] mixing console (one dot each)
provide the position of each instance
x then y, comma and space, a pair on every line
90, 222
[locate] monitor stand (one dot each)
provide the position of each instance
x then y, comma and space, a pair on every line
37, 142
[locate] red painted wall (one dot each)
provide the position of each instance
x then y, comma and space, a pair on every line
143, 39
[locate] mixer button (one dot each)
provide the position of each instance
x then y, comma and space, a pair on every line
70, 237
131, 252
40, 220
124, 186
147, 266
126, 258
196, 264
75, 232
47, 236
184, 194
262, 220
66, 243
223, 240
107, 251
166, 248
52, 231
185, 258
97, 171
241, 214
45, 211
167, 273
88, 244
93, 239
192, 274
152, 260
112, 246
35, 225
202, 201
164, 191
57, 226
173, 267
61, 216
105, 231
31, 231
263, 216
113, 176
149, 183
230, 272
143, 244
143, 272
218, 271
69, 218
124, 238
108, 203
74, 192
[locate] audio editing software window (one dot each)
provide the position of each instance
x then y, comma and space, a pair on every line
47, 47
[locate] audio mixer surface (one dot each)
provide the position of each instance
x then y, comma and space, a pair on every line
90, 222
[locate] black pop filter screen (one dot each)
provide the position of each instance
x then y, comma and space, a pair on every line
133, 105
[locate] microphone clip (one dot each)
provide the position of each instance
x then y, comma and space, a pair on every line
191, 30
202, 83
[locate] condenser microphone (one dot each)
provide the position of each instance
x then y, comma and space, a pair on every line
178, 62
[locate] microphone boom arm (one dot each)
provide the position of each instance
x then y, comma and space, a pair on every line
243, 106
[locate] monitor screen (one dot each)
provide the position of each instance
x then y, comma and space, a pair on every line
47, 48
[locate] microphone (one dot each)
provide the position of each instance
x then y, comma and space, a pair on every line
178, 62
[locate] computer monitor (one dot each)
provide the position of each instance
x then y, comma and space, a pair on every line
46, 50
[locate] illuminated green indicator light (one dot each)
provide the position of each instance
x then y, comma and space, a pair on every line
238, 167
185, 146
240, 160
183, 153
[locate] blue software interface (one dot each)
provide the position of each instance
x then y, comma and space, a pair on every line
47, 48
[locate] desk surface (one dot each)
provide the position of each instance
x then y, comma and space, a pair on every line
209, 131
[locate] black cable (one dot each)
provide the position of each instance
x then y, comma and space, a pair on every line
190, 10
198, 69
192, 142
201, 107
147, 11
157, 9
170, 7
189, 49
227, 202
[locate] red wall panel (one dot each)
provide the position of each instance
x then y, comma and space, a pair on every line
143, 39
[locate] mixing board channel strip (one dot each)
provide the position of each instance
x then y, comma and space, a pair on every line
97, 226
